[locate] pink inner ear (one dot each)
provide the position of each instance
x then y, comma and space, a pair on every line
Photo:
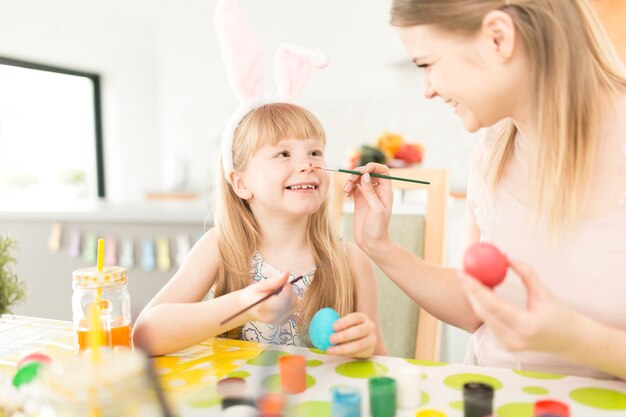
294, 71
241, 50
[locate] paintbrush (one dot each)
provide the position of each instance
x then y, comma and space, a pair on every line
389, 177
275, 292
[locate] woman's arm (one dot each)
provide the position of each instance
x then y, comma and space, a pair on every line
434, 288
548, 325
177, 317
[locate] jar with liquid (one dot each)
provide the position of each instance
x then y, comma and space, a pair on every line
115, 384
110, 287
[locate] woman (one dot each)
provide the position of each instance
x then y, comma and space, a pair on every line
547, 183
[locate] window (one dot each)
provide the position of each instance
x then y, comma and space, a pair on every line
50, 133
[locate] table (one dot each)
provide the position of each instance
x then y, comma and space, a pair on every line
189, 376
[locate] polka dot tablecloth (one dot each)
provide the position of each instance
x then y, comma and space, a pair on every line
189, 377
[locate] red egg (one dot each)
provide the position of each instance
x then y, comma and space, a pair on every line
486, 263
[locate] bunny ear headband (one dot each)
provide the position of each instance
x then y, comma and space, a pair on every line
241, 51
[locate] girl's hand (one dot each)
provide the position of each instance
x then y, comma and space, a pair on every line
546, 325
275, 310
355, 336
373, 198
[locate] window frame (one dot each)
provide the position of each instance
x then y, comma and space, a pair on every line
97, 106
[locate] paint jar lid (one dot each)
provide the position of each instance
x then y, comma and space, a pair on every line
478, 390
91, 278
271, 403
231, 387
545, 408
228, 402
346, 397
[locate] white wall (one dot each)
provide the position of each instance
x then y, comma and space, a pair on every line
94, 36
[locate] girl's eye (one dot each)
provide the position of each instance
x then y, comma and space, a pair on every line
422, 66
317, 153
282, 154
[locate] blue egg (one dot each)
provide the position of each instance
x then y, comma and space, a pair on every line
322, 327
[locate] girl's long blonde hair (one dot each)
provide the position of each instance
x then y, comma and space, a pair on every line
574, 70
239, 235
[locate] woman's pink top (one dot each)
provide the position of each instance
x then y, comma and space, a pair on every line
586, 270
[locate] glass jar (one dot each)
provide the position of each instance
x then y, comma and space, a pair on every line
111, 288
117, 384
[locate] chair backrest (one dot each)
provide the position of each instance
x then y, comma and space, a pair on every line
408, 330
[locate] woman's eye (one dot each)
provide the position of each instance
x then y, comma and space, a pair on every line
422, 66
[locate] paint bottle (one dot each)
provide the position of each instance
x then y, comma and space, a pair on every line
477, 399
292, 373
346, 401
382, 397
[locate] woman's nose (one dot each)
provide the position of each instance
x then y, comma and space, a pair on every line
429, 91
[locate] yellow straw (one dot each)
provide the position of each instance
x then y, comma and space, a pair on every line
100, 254
95, 333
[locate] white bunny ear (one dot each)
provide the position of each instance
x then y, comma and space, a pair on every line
293, 67
241, 50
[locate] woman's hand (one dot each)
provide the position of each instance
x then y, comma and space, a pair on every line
373, 198
546, 325
355, 336
276, 309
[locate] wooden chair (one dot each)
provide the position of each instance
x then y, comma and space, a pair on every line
423, 234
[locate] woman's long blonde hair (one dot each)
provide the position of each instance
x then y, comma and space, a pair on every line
239, 235
575, 71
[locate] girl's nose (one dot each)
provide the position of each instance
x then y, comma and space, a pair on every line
305, 167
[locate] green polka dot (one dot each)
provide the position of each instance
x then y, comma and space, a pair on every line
605, 399
516, 410
314, 362
361, 369
539, 375
425, 398
535, 390
267, 358
425, 363
205, 398
239, 374
456, 405
424, 376
310, 409
319, 352
272, 382
457, 381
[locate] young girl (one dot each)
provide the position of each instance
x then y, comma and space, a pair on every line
271, 216
547, 184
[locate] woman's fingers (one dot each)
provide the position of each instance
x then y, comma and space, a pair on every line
354, 180
488, 306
